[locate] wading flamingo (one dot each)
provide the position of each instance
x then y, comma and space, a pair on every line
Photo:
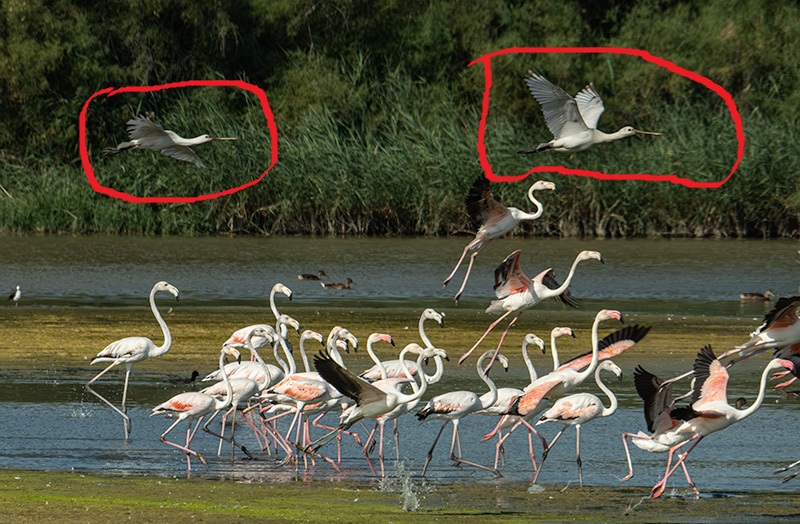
667, 424
131, 350
194, 405
370, 401
494, 220
146, 134
710, 401
553, 385
573, 121
578, 409
454, 406
505, 396
516, 292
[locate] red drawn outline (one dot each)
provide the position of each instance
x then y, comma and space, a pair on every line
110, 91
644, 55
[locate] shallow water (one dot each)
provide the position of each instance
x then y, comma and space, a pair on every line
684, 275
55, 425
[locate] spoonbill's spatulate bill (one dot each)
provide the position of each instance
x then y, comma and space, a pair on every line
573, 121
146, 134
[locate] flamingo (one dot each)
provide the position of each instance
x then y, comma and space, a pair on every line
454, 406
710, 401
339, 285
667, 424
370, 401
194, 405
131, 350
505, 396
15, 295
393, 367
578, 409
242, 389
146, 134
573, 121
319, 275
554, 384
516, 292
781, 328
495, 220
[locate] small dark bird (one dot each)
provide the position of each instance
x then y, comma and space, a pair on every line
309, 276
346, 284
180, 381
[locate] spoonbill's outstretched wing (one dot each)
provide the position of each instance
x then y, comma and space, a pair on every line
560, 110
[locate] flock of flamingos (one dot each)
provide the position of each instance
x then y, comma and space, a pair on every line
259, 393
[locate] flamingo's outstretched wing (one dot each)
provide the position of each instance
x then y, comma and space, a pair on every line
347, 383
482, 208
711, 379
509, 278
611, 346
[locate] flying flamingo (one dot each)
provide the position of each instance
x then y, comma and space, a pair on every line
710, 401
505, 396
131, 350
194, 405
516, 292
393, 367
578, 409
781, 329
454, 406
495, 220
554, 384
668, 425
370, 401
611, 346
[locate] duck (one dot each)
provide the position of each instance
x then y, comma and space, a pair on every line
346, 284
766, 296
310, 276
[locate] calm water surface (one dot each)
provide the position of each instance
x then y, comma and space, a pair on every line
52, 424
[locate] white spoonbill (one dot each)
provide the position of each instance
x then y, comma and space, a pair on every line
516, 292
131, 350
146, 134
493, 219
573, 121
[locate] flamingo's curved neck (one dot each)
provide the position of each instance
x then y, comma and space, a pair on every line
376, 360
163, 348
539, 208
607, 411
272, 305
219, 405
282, 363
492, 398
422, 334
418, 391
333, 351
556, 362
528, 364
304, 356
583, 375
744, 413
267, 377
437, 375
567, 281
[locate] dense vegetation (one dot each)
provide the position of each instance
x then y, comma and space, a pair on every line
378, 113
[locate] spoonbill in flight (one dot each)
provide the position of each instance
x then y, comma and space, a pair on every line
146, 134
573, 121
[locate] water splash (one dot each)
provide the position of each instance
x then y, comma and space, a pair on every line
400, 481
